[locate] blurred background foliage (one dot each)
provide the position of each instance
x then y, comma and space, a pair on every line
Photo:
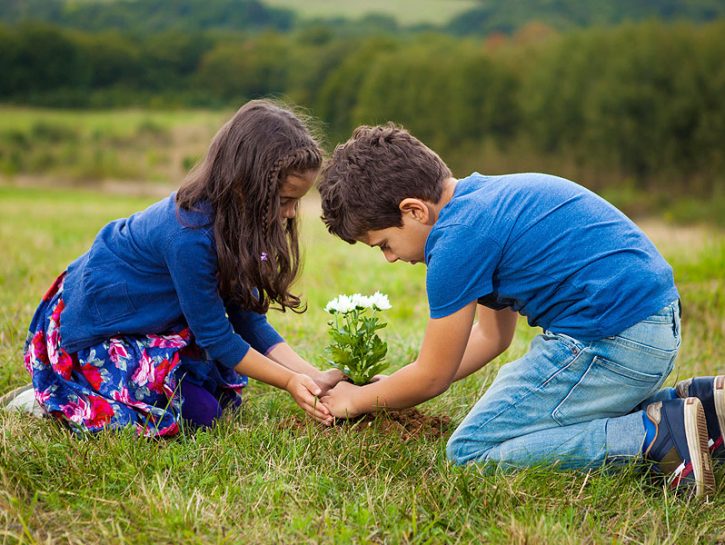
626, 97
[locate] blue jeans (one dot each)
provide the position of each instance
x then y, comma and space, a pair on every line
574, 403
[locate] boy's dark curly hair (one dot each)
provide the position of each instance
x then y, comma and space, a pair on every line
368, 176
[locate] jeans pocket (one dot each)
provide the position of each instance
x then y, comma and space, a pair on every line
606, 389
627, 374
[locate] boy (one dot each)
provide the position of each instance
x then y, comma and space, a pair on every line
588, 391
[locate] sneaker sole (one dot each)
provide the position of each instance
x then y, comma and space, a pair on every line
697, 438
7, 398
23, 399
718, 390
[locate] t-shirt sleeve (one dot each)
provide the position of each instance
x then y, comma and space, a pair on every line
461, 265
193, 267
254, 328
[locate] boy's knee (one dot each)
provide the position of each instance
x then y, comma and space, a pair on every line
463, 448
453, 451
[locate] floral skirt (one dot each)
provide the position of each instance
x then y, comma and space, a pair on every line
127, 380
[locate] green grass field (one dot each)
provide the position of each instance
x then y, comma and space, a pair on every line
266, 476
406, 12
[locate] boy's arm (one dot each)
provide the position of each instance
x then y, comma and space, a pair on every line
490, 336
444, 345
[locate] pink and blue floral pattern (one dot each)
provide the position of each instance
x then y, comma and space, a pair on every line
127, 380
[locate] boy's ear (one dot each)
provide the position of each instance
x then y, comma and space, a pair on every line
416, 209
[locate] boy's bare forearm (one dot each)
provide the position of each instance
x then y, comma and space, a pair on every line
404, 388
430, 375
479, 352
489, 338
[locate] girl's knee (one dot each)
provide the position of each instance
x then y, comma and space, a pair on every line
199, 406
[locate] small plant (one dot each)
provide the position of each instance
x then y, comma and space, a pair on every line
356, 349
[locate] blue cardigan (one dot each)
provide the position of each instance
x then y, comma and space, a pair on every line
151, 271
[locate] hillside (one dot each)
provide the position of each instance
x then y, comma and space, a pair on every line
509, 15
454, 16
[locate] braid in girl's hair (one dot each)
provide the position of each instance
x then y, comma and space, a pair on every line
273, 184
294, 162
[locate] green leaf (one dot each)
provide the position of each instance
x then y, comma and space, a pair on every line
356, 349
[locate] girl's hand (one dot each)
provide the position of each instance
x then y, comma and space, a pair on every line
339, 400
304, 391
378, 378
328, 379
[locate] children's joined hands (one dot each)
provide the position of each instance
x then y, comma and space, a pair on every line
304, 391
339, 400
328, 379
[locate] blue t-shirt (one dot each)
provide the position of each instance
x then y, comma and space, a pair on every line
548, 248
151, 271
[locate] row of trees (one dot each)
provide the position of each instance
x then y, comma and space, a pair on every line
643, 101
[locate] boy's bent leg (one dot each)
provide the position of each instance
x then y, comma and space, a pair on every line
569, 401
588, 444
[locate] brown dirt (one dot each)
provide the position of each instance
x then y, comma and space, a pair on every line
407, 423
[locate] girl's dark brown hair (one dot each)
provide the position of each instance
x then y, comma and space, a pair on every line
247, 162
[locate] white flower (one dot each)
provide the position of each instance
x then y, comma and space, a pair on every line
379, 301
331, 306
347, 303
342, 304
361, 301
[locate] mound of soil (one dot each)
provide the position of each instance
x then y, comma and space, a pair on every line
407, 423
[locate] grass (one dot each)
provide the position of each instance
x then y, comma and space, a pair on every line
406, 12
256, 478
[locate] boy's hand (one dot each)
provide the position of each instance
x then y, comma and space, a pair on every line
304, 391
339, 400
328, 379
378, 378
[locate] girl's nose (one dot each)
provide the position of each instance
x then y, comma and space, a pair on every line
390, 256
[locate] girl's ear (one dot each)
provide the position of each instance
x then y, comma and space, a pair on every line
416, 209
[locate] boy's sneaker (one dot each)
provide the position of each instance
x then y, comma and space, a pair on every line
22, 399
711, 392
679, 448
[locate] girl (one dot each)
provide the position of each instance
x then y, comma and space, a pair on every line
163, 318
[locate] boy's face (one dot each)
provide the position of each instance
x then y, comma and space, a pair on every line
404, 243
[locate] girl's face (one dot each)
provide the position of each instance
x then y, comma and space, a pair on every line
293, 189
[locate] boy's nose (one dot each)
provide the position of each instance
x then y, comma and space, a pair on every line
390, 256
